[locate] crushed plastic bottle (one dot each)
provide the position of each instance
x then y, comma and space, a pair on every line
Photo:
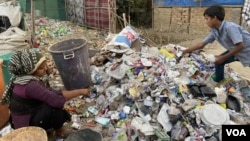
130, 74
93, 110
100, 102
102, 120
166, 53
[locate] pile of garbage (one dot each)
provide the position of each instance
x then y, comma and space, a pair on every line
158, 93
151, 93
47, 30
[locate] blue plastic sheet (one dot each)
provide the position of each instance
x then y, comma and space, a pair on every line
191, 3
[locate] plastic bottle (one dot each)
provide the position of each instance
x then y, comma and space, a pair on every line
93, 110
100, 102
121, 135
140, 76
167, 53
183, 133
130, 74
155, 105
111, 131
190, 129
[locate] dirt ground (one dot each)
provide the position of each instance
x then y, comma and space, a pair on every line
215, 48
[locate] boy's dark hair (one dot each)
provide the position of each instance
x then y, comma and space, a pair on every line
215, 10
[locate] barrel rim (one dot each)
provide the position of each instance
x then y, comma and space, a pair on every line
68, 50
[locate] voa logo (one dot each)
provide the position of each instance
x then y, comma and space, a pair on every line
236, 132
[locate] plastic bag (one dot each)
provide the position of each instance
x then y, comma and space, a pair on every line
122, 41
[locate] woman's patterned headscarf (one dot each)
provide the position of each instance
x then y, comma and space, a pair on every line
22, 64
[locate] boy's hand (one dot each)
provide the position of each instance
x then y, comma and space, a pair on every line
219, 59
184, 52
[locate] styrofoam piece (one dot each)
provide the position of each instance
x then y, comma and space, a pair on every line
213, 114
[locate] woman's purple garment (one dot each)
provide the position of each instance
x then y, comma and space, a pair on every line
37, 91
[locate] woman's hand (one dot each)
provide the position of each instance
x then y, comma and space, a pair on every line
86, 92
74, 93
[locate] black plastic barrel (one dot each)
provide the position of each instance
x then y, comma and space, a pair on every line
71, 59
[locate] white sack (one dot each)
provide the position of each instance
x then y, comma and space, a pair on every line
13, 39
11, 10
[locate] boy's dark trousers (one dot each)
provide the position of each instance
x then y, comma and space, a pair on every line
219, 68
